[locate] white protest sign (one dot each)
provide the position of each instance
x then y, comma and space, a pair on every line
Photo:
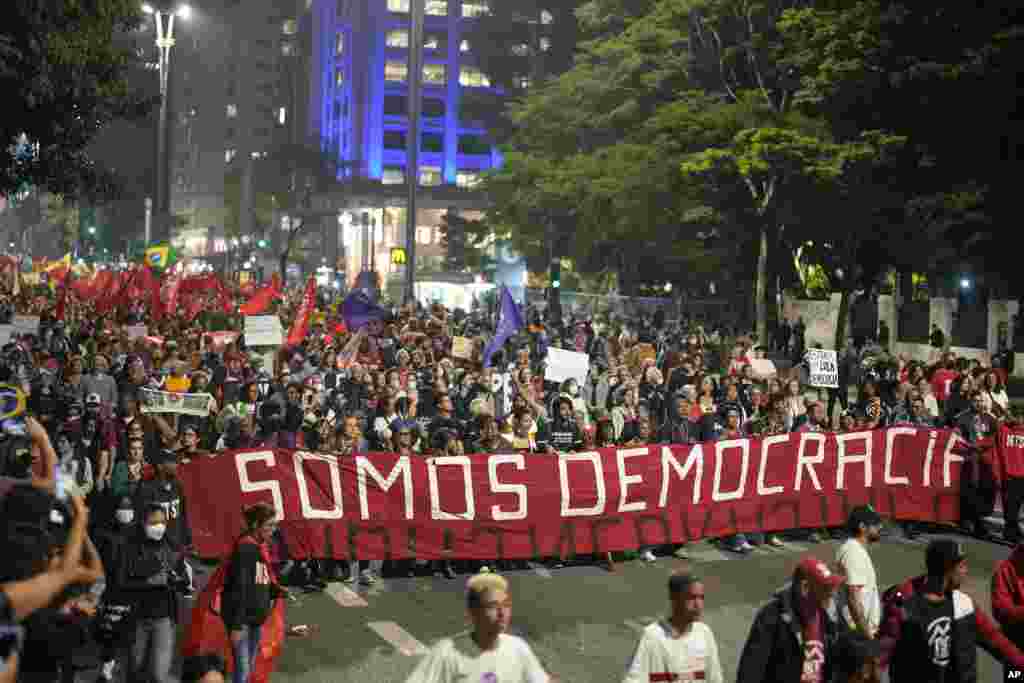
136, 331
263, 330
462, 347
563, 365
26, 324
823, 368
168, 402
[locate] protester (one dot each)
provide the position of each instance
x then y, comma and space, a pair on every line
793, 637
931, 629
859, 598
681, 646
488, 653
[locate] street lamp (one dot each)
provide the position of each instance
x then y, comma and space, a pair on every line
164, 23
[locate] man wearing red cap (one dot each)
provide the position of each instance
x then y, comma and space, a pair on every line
794, 635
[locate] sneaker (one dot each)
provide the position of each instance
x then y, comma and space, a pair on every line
775, 542
368, 578
350, 579
746, 547
648, 556
449, 572
737, 548
815, 537
681, 553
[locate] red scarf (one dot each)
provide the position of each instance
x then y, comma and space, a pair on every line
812, 618
207, 633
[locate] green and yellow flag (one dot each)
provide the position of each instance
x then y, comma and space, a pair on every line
159, 257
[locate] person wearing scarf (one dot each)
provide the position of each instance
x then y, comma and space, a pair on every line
239, 613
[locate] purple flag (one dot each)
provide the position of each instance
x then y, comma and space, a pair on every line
510, 322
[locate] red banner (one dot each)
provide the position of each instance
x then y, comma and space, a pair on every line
380, 505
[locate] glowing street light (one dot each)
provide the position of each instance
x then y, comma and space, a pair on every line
965, 283
184, 12
147, 8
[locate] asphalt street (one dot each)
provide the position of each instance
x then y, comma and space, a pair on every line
582, 621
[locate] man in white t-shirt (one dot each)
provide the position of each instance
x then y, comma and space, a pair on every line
681, 647
488, 654
859, 599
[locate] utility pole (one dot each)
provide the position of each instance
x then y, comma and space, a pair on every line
412, 165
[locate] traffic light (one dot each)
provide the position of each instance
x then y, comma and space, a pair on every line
556, 273
262, 243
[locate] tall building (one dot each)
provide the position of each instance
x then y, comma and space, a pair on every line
237, 72
358, 104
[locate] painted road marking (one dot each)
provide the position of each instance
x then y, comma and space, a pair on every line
398, 637
540, 570
345, 596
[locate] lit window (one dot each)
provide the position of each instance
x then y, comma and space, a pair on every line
436, 8
398, 6
282, 115
229, 155
424, 234
430, 176
339, 77
545, 44
474, 9
393, 175
398, 38
472, 77
290, 27
464, 45
232, 111
339, 44
545, 17
467, 179
436, 41
435, 74
395, 71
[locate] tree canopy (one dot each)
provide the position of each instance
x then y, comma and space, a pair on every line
63, 74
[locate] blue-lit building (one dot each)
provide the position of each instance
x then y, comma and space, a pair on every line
358, 99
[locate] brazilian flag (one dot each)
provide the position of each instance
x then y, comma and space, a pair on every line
160, 257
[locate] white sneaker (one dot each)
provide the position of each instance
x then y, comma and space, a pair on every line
746, 547
648, 556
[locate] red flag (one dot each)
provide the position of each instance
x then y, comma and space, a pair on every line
194, 307
260, 300
206, 631
301, 324
61, 301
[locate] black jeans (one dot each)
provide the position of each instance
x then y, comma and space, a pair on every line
977, 493
842, 393
1013, 495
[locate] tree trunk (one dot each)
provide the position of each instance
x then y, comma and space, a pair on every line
760, 287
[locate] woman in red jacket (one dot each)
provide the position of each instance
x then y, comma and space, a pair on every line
1008, 598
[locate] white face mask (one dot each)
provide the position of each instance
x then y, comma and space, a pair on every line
125, 516
156, 531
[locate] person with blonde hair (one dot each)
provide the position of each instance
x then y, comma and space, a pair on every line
487, 653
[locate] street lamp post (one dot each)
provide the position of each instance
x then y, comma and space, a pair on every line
164, 23
412, 167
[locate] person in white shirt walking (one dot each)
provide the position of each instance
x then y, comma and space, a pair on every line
681, 647
488, 654
859, 598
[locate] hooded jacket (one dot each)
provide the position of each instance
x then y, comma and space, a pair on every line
774, 651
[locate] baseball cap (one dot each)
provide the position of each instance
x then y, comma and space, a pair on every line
815, 570
862, 514
941, 554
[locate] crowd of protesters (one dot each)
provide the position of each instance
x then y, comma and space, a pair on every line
100, 525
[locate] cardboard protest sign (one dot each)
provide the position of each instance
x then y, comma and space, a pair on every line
823, 368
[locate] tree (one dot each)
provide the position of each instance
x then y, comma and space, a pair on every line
285, 181
63, 78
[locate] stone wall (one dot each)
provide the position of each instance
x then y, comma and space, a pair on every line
819, 316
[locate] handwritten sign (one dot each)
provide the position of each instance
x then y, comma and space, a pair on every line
263, 330
824, 368
563, 365
462, 347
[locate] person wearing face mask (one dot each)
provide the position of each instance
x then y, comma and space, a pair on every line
115, 626
166, 492
152, 576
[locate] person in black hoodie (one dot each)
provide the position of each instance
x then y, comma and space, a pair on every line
115, 627
152, 576
250, 588
165, 491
